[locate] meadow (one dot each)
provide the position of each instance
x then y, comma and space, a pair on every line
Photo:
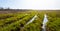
16, 20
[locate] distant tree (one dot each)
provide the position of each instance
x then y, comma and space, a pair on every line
8, 8
1, 8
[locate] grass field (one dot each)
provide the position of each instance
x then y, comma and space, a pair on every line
16, 20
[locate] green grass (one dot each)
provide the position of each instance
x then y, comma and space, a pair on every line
54, 21
16, 21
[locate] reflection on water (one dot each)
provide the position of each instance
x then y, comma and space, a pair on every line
32, 20
44, 22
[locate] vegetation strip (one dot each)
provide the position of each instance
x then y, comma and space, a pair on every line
10, 20
14, 25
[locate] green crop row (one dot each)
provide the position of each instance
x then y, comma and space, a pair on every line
4, 16
53, 21
10, 20
17, 25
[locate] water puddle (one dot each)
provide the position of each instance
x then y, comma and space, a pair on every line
44, 23
32, 20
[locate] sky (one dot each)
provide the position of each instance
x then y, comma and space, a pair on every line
30, 4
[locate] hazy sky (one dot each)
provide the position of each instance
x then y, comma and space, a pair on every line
31, 4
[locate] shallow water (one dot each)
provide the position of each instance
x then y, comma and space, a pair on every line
44, 23
32, 20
